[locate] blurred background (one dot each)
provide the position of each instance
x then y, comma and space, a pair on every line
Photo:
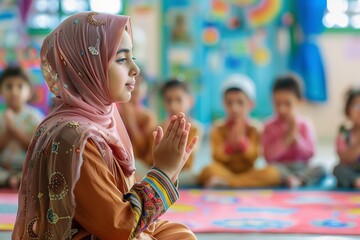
202, 42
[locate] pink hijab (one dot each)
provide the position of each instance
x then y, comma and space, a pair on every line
75, 59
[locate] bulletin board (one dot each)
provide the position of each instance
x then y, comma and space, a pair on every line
233, 36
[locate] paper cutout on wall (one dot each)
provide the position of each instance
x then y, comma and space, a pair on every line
180, 32
234, 23
220, 9
242, 3
180, 55
261, 56
210, 36
28, 57
264, 12
240, 48
259, 51
259, 12
287, 19
214, 61
233, 62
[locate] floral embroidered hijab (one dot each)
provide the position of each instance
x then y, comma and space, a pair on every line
75, 58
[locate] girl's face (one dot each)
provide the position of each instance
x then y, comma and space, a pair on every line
122, 71
354, 111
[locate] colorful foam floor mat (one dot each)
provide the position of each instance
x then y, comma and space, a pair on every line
8, 210
268, 211
260, 211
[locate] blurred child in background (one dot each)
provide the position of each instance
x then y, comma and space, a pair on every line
177, 98
17, 124
347, 171
289, 139
140, 122
235, 142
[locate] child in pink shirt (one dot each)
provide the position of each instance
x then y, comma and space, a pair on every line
289, 140
347, 172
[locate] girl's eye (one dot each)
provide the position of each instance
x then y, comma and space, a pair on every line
121, 60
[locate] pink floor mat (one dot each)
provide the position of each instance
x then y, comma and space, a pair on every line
258, 211
268, 211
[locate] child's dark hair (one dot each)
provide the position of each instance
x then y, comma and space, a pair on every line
233, 89
14, 71
289, 82
351, 94
174, 83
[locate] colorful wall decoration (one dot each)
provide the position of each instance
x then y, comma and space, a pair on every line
181, 45
233, 36
264, 12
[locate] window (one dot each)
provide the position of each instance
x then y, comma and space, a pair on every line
342, 14
47, 14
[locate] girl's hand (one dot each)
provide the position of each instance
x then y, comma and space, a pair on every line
170, 150
189, 149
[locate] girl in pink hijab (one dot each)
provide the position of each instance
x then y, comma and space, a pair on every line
78, 179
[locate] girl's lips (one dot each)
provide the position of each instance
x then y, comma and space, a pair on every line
130, 86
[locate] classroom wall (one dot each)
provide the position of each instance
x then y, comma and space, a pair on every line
147, 37
341, 53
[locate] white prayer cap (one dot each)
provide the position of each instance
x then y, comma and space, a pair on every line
241, 82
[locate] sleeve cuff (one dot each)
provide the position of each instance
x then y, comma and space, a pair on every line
163, 185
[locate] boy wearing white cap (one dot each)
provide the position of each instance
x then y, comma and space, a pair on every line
235, 142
